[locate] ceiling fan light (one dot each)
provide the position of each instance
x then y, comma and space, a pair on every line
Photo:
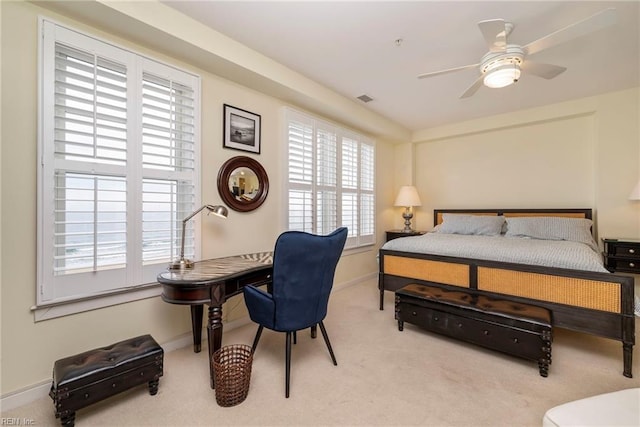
502, 76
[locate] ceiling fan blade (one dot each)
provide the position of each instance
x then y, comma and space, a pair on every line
546, 71
495, 33
471, 90
589, 25
450, 70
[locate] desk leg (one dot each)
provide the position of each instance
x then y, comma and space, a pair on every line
196, 326
214, 335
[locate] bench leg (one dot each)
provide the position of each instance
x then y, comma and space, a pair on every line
545, 360
68, 419
543, 365
153, 387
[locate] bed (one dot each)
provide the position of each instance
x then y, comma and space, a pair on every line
582, 297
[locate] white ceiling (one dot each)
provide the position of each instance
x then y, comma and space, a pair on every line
351, 48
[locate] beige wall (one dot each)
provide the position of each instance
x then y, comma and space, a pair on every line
584, 153
28, 349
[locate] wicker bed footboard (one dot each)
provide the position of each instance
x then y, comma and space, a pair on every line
592, 302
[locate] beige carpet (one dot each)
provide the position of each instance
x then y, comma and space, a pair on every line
384, 377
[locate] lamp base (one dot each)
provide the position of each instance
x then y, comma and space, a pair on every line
181, 264
407, 215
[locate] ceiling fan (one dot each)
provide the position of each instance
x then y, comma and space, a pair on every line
504, 63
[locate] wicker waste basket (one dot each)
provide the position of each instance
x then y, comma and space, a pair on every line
232, 372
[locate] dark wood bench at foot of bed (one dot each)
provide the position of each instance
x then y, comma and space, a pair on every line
511, 327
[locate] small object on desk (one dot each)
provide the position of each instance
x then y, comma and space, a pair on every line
182, 263
395, 234
622, 255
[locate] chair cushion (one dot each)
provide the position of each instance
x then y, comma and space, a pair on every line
260, 306
99, 363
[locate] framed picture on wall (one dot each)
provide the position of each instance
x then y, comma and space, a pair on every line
241, 129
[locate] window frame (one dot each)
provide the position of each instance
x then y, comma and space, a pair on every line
137, 284
355, 241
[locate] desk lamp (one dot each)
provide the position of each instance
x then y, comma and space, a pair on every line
407, 197
181, 263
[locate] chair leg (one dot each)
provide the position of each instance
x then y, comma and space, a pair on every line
256, 339
287, 364
295, 337
326, 340
314, 331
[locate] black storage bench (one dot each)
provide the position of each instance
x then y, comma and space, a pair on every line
511, 327
86, 378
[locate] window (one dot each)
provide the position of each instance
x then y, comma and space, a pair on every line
330, 179
118, 143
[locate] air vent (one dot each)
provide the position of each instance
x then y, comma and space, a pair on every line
365, 98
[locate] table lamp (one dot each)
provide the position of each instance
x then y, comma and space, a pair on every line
407, 197
181, 263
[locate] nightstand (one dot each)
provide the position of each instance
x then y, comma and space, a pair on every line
394, 234
622, 255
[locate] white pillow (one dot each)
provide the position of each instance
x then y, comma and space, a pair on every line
485, 225
552, 228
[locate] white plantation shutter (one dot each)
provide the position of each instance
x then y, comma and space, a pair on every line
90, 108
158, 219
350, 207
90, 225
367, 194
326, 179
168, 120
118, 147
168, 161
89, 162
300, 173
330, 179
164, 204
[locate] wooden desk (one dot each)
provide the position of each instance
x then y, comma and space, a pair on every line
212, 282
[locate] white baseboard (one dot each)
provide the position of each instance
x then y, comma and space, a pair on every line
37, 391
25, 396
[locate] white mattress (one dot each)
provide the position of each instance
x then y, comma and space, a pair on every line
546, 253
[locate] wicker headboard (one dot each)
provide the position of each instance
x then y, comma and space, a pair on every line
566, 213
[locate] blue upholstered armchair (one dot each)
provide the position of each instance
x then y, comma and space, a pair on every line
303, 269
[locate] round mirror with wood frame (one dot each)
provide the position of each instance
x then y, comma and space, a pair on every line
243, 183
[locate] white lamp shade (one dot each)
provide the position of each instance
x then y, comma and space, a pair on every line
408, 196
635, 194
